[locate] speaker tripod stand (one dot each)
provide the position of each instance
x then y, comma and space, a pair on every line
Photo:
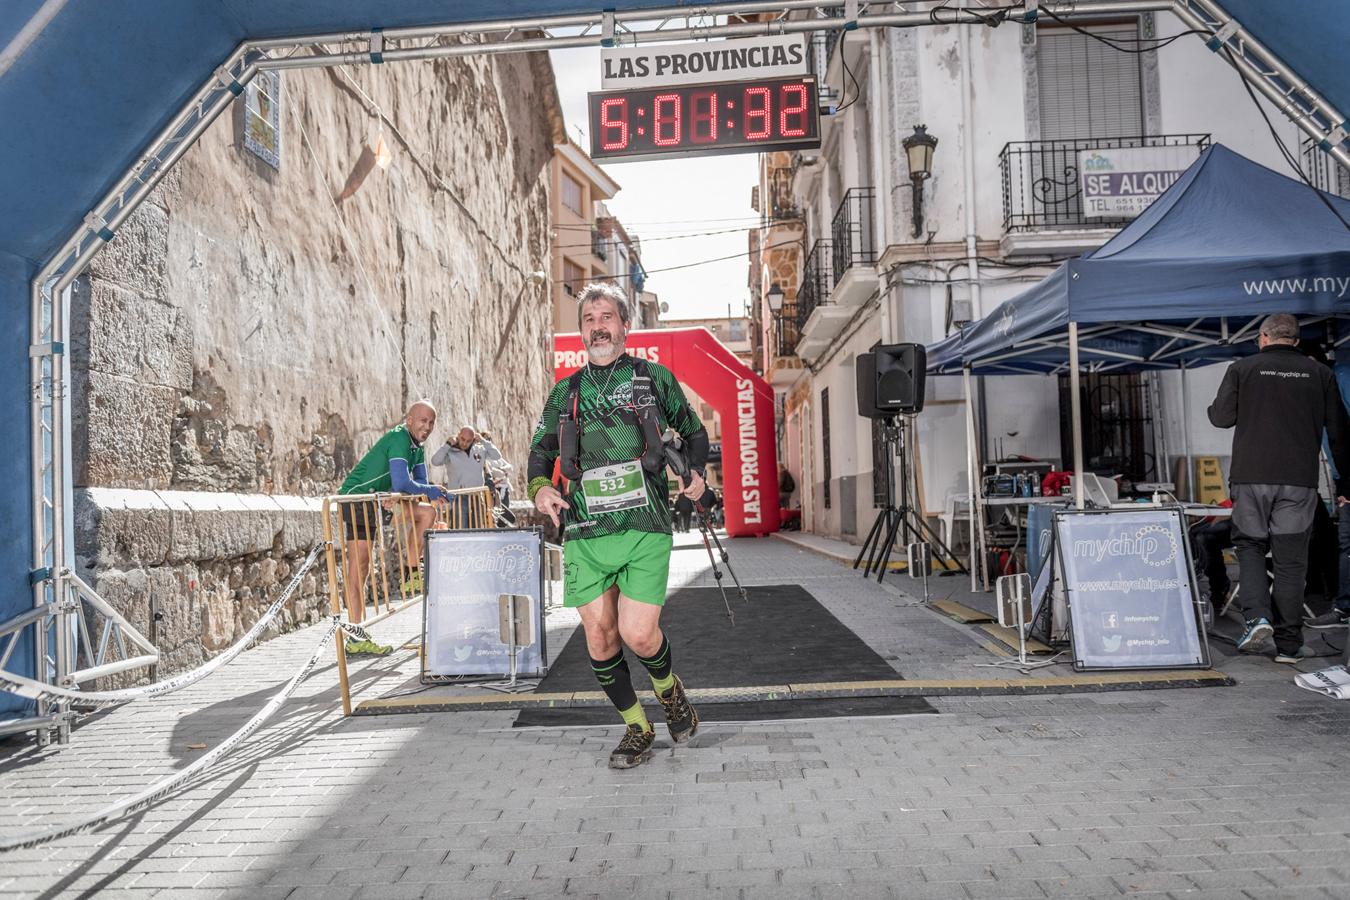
903, 521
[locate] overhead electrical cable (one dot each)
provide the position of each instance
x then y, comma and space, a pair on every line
1279, 142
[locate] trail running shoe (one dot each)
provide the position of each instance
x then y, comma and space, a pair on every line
634, 749
1257, 631
1302, 653
366, 648
1337, 618
681, 718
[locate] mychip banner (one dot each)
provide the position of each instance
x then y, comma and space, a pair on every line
1130, 589
471, 577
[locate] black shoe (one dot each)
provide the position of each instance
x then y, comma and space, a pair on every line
681, 717
634, 749
1336, 618
1296, 657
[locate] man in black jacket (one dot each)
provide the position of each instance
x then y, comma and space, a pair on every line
1281, 402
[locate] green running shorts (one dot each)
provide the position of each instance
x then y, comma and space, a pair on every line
637, 561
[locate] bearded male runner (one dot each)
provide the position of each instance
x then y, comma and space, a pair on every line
617, 540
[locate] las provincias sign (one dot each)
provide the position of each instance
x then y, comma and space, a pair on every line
660, 65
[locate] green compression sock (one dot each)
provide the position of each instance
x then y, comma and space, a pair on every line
613, 676
659, 667
634, 715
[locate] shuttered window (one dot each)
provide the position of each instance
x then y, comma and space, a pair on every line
1087, 89
825, 441
571, 194
574, 277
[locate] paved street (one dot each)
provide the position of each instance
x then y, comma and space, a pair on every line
1216, 792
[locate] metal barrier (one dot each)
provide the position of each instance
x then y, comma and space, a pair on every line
393, 526
374, 552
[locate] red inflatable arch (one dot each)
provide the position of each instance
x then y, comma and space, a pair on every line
741, 398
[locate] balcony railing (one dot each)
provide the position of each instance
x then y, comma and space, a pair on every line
818, 52
816, 281
788, 332
1324, 172
782, 205
853, 232
598, 244
1041, 188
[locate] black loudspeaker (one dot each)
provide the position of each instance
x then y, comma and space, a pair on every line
890, 380
865, 369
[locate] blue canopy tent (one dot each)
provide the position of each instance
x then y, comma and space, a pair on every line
1230, 242
99, 99
1185, 284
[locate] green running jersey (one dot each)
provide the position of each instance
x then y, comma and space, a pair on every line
610, 434
371, 474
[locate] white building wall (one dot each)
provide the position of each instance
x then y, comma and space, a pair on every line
1186, 89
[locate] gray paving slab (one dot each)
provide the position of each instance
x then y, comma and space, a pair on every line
1231, 792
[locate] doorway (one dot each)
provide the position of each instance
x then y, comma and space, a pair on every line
1118, 426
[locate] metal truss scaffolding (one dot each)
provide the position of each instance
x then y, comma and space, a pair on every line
63, 605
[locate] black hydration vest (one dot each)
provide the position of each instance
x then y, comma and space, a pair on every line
644, 408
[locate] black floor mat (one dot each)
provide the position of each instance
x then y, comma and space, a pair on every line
759, 711
782, 635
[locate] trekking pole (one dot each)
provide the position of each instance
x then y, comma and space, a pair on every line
717, 573
726, 557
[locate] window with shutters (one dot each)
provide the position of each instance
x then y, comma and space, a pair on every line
1087, 89
571, 193
825, 441
574, 277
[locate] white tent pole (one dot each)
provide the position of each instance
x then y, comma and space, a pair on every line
973, 492
1186, 435
1076, 404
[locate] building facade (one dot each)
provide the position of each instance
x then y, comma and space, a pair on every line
580, 249
864, 255
589, 243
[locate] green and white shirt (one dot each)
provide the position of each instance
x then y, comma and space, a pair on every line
610, 434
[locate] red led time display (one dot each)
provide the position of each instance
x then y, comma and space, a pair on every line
699, 119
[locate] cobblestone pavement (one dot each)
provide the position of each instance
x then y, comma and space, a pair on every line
1216, 792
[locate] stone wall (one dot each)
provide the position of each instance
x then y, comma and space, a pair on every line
247, 335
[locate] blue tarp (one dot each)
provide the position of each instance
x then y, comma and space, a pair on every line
1231, 241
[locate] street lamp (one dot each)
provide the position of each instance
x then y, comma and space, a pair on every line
919, 151
775, 298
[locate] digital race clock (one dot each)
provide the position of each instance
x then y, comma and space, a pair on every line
701, 119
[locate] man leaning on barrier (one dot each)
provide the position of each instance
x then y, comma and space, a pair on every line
604, 425
396, 464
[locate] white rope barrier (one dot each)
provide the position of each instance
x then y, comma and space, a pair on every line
160, 788
37, 690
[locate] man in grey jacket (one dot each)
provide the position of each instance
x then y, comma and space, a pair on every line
1280, 402
465, 457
